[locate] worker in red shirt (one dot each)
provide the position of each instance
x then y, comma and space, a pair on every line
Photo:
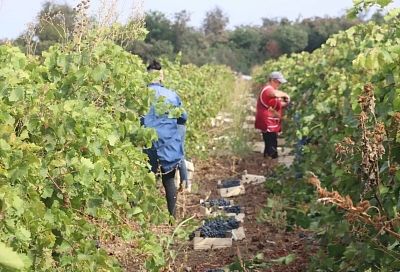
270, 104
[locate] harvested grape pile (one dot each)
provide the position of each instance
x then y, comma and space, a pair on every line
229, 183
216, 227
219, 202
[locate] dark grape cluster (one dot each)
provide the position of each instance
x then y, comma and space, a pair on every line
219, 202
232, 223
216, 227
232, 209
215, 270
230, 183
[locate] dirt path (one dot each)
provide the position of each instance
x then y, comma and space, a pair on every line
263, 239
266, 239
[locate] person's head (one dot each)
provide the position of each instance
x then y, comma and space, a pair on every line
155, 67
276, 79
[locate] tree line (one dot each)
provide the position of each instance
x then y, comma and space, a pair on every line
240, 48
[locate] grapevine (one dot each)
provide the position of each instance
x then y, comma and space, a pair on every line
346, 97
71, 154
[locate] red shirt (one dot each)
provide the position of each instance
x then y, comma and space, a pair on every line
268, 111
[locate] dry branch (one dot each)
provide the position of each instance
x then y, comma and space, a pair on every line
357, 212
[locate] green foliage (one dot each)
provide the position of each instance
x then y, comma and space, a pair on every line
291, 38
160, 25
202, 97
240, 48
72, 170
10, 259
325, 87
214, 25
362, 5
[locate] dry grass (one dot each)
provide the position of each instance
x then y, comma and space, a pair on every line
231, 137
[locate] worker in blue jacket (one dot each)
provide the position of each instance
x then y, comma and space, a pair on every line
166, 152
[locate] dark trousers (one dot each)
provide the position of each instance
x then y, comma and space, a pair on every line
271, 144
168, 180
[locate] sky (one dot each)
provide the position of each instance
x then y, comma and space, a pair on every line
16, 14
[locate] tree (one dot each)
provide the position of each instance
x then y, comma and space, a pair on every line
154, 50
180, 28
320, 29
214, 25
159, 27
267, 22
246, 41
194, 48
378, 17
291, 38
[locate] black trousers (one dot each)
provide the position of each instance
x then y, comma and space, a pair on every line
271, 144
168, 180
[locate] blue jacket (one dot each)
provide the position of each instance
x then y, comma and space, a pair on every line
167, 150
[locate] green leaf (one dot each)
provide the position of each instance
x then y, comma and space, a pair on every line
23, 234
135, 211
383, 189
18, 205
4, 145
384, 3
336, 250
16, 94
87, 164
149, 179
99, 72
10, 258
285, 260
98, 170
308, 118
47, 192
112, 139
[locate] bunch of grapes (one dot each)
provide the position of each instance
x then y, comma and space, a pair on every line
232, 223
216, 227
232, 209
230, 183
220, 202
215, 270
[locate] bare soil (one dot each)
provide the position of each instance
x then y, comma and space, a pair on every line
261, 237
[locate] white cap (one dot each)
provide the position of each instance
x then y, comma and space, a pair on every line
278, 76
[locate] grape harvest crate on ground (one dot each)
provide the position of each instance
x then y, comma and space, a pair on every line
238, 234
219, 203
203, 243
232, 191
226, 190
219, 211
252, 179
238, 216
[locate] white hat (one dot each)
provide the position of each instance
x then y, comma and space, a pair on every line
278, 76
